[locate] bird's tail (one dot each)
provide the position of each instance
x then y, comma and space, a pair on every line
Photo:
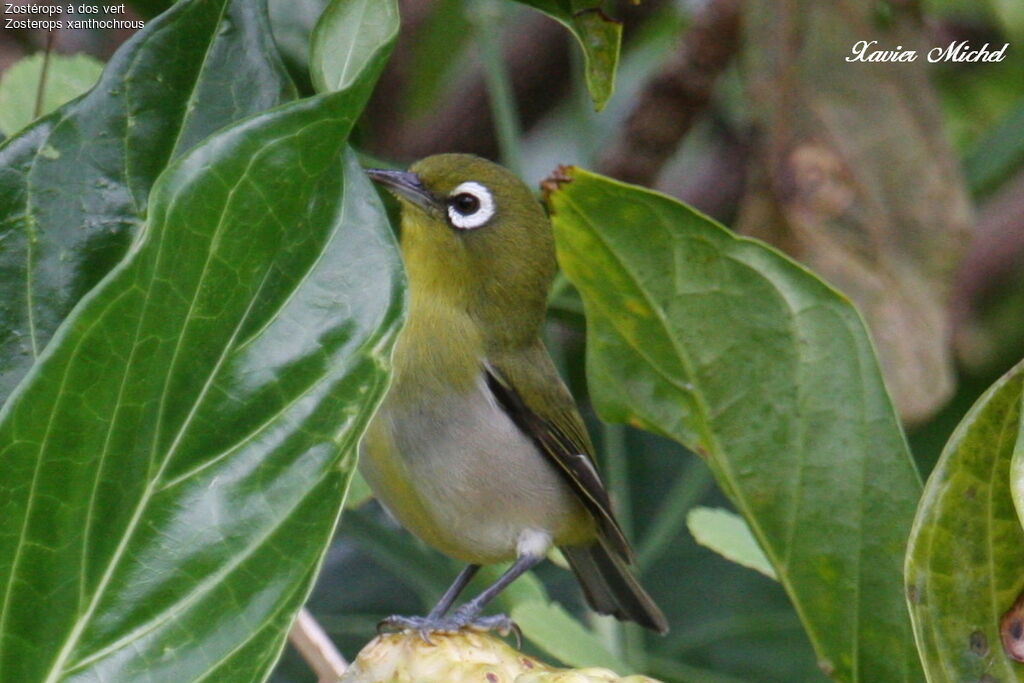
610, 587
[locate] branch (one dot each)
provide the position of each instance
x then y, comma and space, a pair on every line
316, 648
996, 251
676, 95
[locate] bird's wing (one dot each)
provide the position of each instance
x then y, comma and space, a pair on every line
527, 386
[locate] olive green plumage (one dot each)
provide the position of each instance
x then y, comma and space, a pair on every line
479, 448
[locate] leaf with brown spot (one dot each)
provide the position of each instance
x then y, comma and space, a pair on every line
967, 546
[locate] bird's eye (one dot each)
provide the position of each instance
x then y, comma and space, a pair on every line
465, 203
470, 205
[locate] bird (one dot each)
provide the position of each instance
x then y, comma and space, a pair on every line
478, 447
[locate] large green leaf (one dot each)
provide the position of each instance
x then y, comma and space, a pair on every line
175, 462
176, 459
967, 548
727, 346
74, 186
599, 37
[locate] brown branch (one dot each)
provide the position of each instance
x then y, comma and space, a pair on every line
714, 182
996, 251
676, 95
316, 648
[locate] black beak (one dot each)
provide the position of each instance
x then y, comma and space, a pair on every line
406, 185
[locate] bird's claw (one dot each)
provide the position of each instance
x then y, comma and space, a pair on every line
424, 626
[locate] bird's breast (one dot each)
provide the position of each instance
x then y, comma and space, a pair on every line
455, 470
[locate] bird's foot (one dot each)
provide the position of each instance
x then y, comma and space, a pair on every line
459, 621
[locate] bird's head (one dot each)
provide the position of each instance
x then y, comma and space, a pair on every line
474, 234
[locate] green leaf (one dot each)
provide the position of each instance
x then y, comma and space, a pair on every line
599, 36
728, 535
358, 492
74, 186
727, 346
175, 462
967, 547
352, 37
292, 22
67, 77
548, 626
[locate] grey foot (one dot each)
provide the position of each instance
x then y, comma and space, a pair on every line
449, 624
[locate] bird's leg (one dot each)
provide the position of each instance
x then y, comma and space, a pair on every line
467, 615
446, 601
434, 621
522, 565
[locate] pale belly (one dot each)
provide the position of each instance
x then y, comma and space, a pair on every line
460, 475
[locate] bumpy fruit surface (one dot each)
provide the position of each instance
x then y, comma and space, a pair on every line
464, 657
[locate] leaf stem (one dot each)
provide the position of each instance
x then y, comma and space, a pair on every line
43, 72
581, 107
630, 638
488, 19
690, 486
618, 474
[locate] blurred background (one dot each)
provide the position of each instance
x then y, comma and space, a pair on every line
901, 184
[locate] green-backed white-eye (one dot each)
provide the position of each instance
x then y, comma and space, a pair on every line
478, 447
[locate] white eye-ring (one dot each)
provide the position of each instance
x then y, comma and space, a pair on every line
470, 205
